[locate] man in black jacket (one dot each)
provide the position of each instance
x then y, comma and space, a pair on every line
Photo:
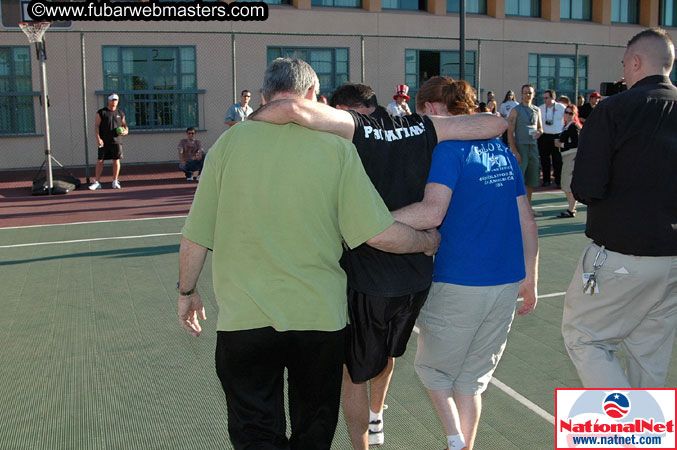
623, 295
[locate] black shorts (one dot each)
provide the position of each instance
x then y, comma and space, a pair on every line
379, 328
110, 151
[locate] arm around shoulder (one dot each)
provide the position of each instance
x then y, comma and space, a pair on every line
469, 127
309, 114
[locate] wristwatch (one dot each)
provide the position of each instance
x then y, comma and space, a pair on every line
184, 293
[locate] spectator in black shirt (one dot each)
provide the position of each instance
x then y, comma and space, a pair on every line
586, 109
625, 172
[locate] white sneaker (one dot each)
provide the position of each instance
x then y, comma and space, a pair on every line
94, 186
189, 178
376, 436
116, 184
197, 178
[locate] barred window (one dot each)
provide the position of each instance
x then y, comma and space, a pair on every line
575, 9
526, 8
411, 5
16, 91
157, 85
338, 3
668, 13
330, 64
625, 11
471, 6
558, 72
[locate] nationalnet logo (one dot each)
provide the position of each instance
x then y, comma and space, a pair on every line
615, 419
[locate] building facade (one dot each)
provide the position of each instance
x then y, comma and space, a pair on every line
174, 74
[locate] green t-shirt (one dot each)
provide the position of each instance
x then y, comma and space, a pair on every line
274, 203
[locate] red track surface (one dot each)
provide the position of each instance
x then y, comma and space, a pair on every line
147, 191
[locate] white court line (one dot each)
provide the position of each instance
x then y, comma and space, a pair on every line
563, 205
94, 221
33, 244
556, 294
516, 395
523, 400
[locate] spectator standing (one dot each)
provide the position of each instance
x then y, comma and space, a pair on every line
399, 107
552, 115
282, 302
109, 125
585, 110
239, 111
504, 111
564, 100
524, 129
580, 101
625, 172
478, 271
567, 143
191, 155
492, 106
508, 104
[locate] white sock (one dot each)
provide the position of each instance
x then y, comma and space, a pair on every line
455, 441
376, 417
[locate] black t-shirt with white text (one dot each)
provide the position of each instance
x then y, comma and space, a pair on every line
396, 153
110, 120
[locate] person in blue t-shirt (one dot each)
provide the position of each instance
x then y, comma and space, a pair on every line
488, 256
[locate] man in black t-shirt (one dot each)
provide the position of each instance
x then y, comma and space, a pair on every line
109, 125
587, 108
385, 291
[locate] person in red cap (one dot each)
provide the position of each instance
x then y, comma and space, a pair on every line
586, 109
399, 107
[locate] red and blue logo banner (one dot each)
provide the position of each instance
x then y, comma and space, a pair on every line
615, 418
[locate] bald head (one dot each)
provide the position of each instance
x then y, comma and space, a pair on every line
650, 52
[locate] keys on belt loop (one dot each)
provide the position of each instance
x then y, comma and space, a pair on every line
590, 285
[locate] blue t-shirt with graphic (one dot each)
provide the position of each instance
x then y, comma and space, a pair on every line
481, 233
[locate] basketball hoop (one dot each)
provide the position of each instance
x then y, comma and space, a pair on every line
34, 30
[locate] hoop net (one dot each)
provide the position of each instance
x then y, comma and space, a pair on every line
34, 30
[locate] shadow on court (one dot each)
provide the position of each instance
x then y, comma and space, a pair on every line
117, 253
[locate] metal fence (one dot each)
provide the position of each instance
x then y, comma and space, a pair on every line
168, 81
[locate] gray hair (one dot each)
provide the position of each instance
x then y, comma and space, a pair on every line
287, 75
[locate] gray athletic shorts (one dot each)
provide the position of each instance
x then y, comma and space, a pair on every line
463, 332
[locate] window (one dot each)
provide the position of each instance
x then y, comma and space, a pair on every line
625, 11
16, 91
270, 2
157, 85
471, 6
527, 8
668, 13
412, 5
575, 9
419, 65
338, 3
330, 64
557, 72
14, 11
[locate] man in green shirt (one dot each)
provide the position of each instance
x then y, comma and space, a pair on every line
274, 204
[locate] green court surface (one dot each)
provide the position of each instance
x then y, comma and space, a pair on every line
93, 356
